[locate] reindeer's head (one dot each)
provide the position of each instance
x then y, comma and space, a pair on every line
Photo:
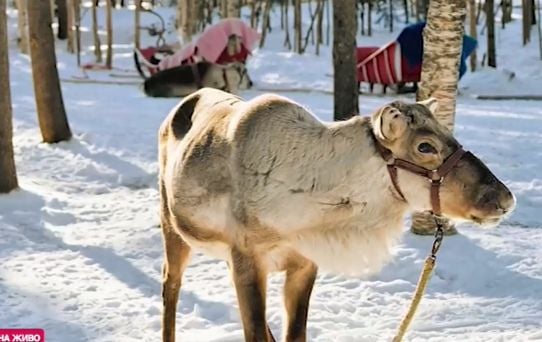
469, 191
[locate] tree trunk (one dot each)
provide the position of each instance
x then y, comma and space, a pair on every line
22, 24
533, 13
287, 41
49, 104
8, 180
473, 33
265, 22
109, 29
490, 15
345, 86
200, 21
73, 44
137, 23
442, 39
328, 20
185, 17
52, 12
539, 25
370, 18
252, 5
223, 8
297, 26
70, 45
77, 28
95, 35
362, 18
233, 9
311, 29
506, 12
527, 16
281, 14
62, 12
319, 29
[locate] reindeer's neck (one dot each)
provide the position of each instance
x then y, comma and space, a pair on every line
358, 238
359, 170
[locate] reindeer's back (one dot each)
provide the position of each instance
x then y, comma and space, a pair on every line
213, 141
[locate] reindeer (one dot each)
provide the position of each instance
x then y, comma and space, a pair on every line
267, 187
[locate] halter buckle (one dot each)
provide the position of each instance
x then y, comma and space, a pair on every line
436, 177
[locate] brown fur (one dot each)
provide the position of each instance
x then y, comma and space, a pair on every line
268, 187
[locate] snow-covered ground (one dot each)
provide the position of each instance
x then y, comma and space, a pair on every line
81, 251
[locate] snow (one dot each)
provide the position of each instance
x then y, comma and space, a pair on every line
81, 250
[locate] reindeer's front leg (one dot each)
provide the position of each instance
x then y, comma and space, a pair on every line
250, 283
300, 277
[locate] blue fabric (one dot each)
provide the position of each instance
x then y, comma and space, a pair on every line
411, 42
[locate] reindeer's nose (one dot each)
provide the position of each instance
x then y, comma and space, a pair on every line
497, 201
506, 201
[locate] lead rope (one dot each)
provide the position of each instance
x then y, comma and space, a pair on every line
427, 270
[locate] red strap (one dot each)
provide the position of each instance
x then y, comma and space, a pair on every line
435, 198
392, 170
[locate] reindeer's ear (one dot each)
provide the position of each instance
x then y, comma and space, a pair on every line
431, 104
389, 123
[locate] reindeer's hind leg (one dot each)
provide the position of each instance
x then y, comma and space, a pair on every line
300, 277
250, 283
176, 257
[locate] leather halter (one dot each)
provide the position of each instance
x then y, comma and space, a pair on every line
435, 176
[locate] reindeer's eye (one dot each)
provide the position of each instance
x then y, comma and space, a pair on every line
427, 148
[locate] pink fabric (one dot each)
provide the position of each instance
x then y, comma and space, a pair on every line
215, 39
211, 44
186, 54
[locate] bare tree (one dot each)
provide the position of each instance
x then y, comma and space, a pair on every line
62, 13
369, 18
49, 104
443, 40
473, 33
70, 43
490, 17
22, 25
506, 6
265, 21
8, 180
345, 87
185, 19
252, 5
137, 23
234, 9
319, 29
297, 26
223, 8
539, 25
95, 35
287, 41
73, 44
109, 29
526, 7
